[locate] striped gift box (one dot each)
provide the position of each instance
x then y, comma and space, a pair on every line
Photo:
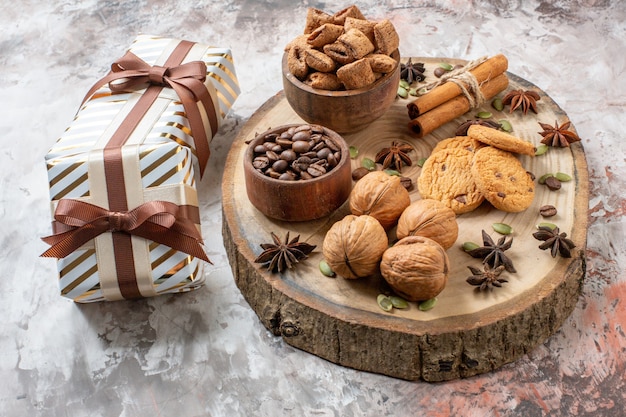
123, 175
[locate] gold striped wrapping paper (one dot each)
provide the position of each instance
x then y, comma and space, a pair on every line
160, 164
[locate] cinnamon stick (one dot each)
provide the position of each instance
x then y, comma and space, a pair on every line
488, 70
457, 106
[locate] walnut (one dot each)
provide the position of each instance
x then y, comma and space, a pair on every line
431, 219
416, 268
381, 196
354, 246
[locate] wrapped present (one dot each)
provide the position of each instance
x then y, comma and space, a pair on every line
123, 175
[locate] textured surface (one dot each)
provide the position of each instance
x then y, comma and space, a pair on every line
206, 353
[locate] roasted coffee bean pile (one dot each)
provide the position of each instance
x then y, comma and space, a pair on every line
299, 153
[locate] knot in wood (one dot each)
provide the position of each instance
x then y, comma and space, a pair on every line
289, 329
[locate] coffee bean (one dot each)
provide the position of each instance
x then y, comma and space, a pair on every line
439, 72
331, 144
272, 156
280, 166
547, 210
324, 153
332, 161
359, 173
301, 146
301, 164
316, 147
406, 182
316, 170
301, 135
288, 155
261, 162
272, 173
284, 143
287, 176
553, 183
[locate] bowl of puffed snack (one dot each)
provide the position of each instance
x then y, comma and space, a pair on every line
343, 71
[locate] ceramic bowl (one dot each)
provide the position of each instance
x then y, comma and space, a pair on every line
342, 111
302, 199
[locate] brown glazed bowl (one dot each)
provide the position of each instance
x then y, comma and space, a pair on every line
342, 111
299, 200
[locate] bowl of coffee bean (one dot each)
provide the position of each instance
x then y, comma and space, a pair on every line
297, 172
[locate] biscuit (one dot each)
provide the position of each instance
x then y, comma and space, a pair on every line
464, 142
316, 18
339, 18
339, 53
296, 60
324, 81
502, 179
300, 41
356, 74
446, 177
501, 140
381, 63
319, 61
365, 26
357, 43
323, 35
386, 37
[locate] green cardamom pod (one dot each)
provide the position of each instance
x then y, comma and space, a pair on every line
398, 302
428, 304
541, 149
502, 228
562, 177
326, 269
384, 302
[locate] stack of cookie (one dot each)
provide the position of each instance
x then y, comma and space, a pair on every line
342, 51
464, 171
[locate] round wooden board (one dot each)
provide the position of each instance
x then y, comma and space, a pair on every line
468, 332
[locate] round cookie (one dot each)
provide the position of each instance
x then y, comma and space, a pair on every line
464, 142
446, 177
501, 140
502, 179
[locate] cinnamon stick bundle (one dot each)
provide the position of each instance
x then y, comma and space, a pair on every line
443, 93
455, 107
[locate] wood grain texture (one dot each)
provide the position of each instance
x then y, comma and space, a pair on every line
468, 332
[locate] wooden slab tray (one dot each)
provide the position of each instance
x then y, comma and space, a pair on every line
467, 332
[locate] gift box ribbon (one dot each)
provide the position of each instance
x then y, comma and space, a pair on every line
77, 222
131, 73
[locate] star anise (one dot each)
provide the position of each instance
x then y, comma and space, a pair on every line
412, 72
394, 156
493, 253
558, 135
555, 240
281, 255
462, 129
486, 279
524, 99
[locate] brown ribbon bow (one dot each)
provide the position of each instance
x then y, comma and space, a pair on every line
160, 221
187, 80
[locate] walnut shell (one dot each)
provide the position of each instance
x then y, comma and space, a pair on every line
354, 246
416, 268
429, 218
381, 196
